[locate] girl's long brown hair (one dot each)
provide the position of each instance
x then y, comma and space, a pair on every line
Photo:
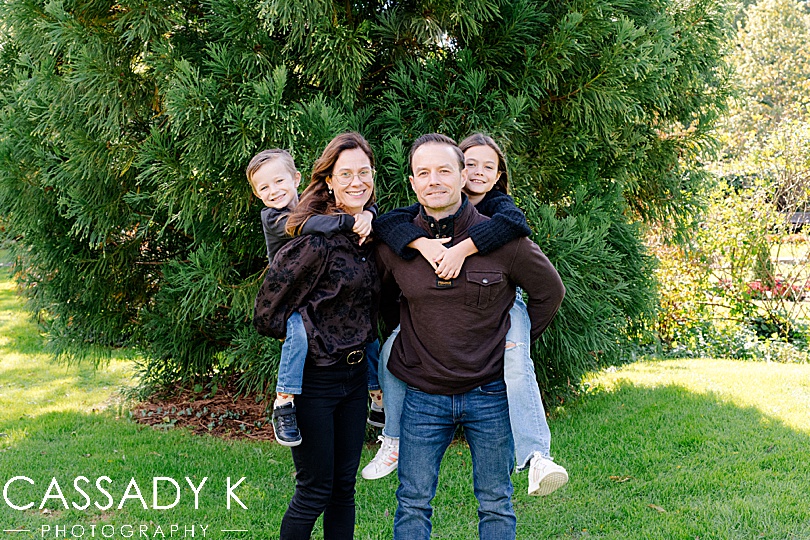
316, 199
479, 139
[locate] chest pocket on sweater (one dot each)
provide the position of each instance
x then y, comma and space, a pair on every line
482, 288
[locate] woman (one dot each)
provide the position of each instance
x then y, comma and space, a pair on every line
332, 283
486, 187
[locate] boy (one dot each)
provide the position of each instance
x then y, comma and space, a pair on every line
274, 179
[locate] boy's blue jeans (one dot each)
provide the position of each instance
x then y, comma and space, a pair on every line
294, 355
526, 413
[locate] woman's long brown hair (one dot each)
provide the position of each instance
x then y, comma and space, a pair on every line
316, 199
479, 139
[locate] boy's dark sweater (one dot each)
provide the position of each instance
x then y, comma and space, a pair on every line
274, 221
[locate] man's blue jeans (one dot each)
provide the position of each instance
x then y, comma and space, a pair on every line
428, 424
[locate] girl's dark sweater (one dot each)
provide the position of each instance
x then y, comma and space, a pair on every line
507, 223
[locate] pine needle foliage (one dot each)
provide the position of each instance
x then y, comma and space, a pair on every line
125, 128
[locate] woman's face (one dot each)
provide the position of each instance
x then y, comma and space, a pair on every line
481, 163
352, 180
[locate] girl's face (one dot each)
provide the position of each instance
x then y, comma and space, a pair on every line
352, 180
481, 164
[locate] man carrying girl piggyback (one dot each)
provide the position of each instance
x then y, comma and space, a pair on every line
486, 187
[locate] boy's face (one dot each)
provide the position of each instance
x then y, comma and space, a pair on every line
274, 185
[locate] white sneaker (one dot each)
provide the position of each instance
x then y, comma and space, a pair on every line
545, 476
386, 460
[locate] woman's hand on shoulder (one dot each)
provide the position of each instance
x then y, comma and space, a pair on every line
362, 225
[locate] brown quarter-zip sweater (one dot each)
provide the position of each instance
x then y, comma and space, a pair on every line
452, 335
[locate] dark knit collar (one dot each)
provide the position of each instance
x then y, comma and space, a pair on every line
449, 226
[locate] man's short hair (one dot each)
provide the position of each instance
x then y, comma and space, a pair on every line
437, 138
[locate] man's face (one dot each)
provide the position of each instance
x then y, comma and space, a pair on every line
437, 179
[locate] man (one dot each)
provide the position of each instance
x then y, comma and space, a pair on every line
451, 344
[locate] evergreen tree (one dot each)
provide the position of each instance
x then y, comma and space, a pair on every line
125, 128
771, 64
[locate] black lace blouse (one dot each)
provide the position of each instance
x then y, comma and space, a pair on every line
333, 283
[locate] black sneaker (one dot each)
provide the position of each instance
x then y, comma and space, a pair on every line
376, 416
285, 426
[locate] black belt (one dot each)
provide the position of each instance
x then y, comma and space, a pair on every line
353, 357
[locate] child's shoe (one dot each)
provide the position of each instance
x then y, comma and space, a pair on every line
545, 476
386, 460
285, 425
376, 415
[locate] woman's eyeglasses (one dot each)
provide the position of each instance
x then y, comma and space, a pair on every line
344, 178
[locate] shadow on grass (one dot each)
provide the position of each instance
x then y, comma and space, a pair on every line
644, 463
668, 463
66, 445
19, 333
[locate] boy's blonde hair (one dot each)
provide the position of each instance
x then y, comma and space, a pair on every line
266, 156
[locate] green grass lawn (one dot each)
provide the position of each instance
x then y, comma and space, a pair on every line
680, 449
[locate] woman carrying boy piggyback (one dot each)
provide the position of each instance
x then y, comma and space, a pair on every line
331, 282
275, 180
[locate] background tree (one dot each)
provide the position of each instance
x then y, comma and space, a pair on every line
766, 149
771, 64
125, 128
750, 248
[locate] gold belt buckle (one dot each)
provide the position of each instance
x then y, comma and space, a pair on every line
354, 357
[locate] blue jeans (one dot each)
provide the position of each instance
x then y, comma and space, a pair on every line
526, 413
293, 356
373, 355
428, 424
393, 390
294, 353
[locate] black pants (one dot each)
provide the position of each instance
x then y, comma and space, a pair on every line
331, 413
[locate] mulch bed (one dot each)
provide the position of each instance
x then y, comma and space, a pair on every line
223, 413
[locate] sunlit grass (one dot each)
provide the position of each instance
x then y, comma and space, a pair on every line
687, 449
31, 384
779, 391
